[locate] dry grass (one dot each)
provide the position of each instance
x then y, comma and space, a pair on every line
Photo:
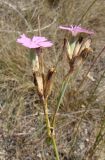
22, 133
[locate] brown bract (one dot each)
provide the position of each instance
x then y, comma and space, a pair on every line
78, 51
42, 81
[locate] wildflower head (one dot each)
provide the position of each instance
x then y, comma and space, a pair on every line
35, 42
75, 30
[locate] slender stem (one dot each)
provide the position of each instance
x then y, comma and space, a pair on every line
55, 147
49, 132
47, 118
98, 139
62, 92
68, 78
86, 11
94, 61
101, 78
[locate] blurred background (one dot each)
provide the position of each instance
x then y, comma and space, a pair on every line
81, 117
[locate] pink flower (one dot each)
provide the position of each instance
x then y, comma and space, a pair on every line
35, 42
76, 29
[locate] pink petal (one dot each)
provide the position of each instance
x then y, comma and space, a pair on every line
35, 42
86, 31
25, 41
34, 45
82, 30
66, 28
24, 38
46, 44
76, 29
38, 39
26, 45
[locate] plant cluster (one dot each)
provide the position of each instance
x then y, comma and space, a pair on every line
76, 47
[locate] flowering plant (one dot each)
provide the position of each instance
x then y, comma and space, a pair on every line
76, 48
35, 42
75, 30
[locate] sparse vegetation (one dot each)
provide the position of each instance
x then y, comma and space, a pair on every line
80, 120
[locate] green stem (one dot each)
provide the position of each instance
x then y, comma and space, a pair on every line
68, 77
50, 134
55, 147
62, 92
47, 118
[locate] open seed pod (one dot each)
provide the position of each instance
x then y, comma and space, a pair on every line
84, 47
44, 84
49, 82
77, 50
